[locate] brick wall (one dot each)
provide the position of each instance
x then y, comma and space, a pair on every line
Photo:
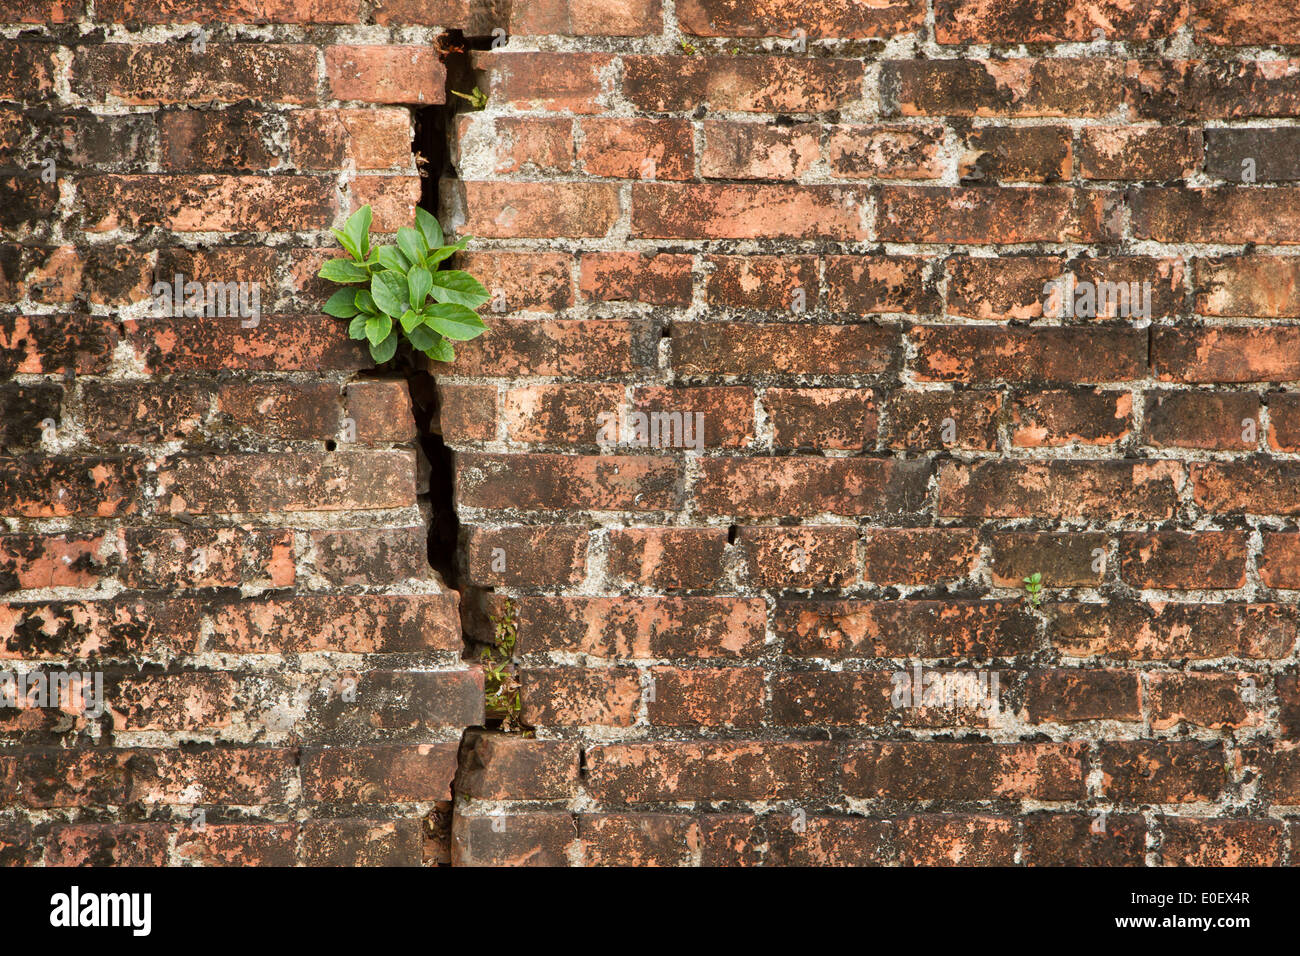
839, 235
223, 515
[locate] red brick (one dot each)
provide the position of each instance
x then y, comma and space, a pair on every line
1219, 214
771, 283
361, 843
322, 481
1016, 154
1227, 354
859, 628
206, 203
667, 558
1169, 631
642, 627
1068, 695
379, 623
539, 838
867, 284
522, 556
640, 772
579, 697
1144, 153
54, 560
638, 839
1254, 285
387, 774
803, 557
1176, 559
509, 767
759, 18
752, 84
1011, 214
822, 417
631, 277
173, 558
1215, 701
1195, 842
1279, 560
929, 770
744, 211
369, 138
918, 556
1162, 771
928, 419
501, 210
386, 74
637, 148
1018, 21
1257, 486
544, 482
1228, 421
40, 487
758, 151
1225, 23
749, 349
1061, 489
151, 74
585, 18
1016, 87
802, 487
1082, 416
1064, 559
546, 81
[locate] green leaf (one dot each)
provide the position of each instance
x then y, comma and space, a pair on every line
429, 228
456, 321
366, 302
357, 328
378, 328
384, 350
419, 281
389, 292
358, 230
444, 252
342, 304
410, 320
412, 244
422, 337
440, 352
459, 288
343, 270
347, 243
393, 260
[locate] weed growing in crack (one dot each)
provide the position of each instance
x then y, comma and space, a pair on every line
477, 98
500, 680
388, 289
1034, 588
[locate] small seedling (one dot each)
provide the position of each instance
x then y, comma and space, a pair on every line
688, 48
387, 290
1034, 588
477, 98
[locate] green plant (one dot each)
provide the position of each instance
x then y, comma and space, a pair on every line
398, 290
477, 98
1034, 588
500, 682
